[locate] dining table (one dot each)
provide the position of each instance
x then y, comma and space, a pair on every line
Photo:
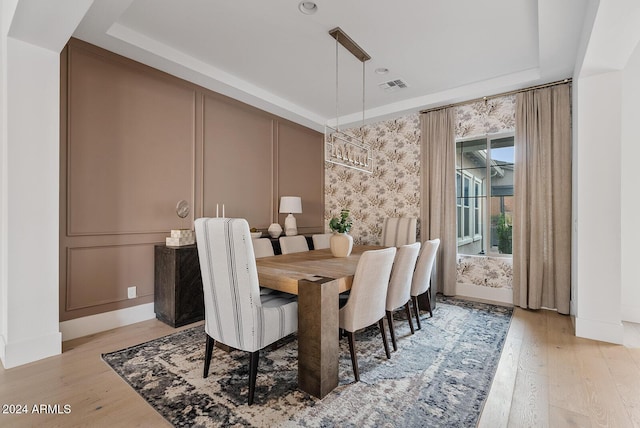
317, 278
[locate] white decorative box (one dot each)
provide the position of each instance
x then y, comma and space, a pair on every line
182, 233
180, 237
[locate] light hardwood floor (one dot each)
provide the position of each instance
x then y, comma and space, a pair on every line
546, 378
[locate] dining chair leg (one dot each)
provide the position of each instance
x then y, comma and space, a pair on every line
253, 374
429, 303
391, 329
417, 310
408, 311
208, 352
354, 358
384, 338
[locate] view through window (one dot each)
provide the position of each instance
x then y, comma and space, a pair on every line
484, 194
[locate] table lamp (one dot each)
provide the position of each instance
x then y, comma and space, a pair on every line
291, 205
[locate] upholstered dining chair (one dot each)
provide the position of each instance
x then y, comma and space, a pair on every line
235, 313
293, 244
399, 293
421, 281
262, 247
398, 231
367, 298
321, 240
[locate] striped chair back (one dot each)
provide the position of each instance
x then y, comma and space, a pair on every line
233, 312
399, 231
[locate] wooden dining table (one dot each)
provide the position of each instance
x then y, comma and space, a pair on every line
317, 278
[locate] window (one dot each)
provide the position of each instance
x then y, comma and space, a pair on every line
484, 190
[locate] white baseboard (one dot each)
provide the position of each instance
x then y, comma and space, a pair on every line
598, 330
502, 295
26, 351
630, 313
92, 324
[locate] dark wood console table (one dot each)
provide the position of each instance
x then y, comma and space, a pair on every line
178, 296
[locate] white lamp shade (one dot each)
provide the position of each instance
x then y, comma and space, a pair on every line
290, 204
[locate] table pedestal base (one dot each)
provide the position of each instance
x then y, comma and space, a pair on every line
318, 347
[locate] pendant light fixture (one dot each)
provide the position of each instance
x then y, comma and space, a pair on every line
348, 148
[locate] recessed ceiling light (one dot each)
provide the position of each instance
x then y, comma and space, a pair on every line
381, 70
308, 7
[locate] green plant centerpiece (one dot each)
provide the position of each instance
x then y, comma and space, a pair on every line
341, 224
341, 243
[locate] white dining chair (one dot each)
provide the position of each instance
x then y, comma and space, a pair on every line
421, 281
399, 293
398, 231
321, 241
293, 244
262, 247
235, 312
366, 304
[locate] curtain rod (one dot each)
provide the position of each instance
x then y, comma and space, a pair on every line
503, 94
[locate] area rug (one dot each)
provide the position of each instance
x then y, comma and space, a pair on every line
438, 377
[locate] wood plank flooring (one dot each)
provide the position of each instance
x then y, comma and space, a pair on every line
546, 378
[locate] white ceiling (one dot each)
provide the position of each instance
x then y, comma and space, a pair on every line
270, 55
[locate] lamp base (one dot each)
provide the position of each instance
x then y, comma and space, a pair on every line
290, 226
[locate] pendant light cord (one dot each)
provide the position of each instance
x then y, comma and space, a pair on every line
362, 127
337, 115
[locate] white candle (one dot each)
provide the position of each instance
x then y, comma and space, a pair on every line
217, 211
223, 211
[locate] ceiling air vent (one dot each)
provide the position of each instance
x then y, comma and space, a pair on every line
393, 85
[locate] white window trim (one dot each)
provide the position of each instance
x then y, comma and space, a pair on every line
477, 211
486, 210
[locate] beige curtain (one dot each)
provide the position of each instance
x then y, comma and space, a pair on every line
542, 212
438, 193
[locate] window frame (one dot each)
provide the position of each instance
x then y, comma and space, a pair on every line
473, 207
476, 201
477, 211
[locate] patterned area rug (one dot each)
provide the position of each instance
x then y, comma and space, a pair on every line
439, 377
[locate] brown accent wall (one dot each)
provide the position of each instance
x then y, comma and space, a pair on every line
239, 161
296, 171
135, 141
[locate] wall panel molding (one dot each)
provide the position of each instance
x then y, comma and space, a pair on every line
134, 141
95, 273
301, 173
130, 147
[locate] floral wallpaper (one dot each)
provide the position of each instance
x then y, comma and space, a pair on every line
494, 272
393, 189
486, 117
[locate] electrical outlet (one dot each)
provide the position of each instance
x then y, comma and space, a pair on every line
132, 292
